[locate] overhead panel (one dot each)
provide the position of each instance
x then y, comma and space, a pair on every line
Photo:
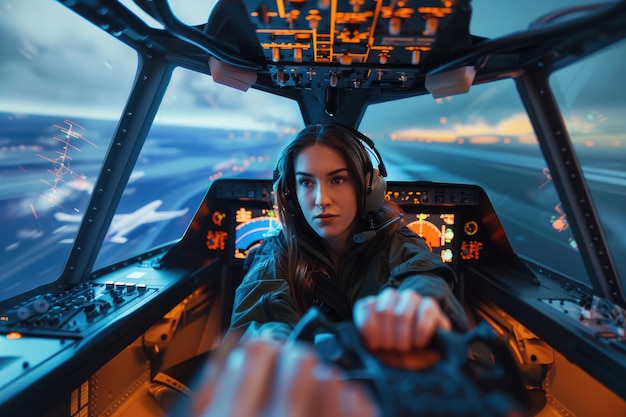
350, 43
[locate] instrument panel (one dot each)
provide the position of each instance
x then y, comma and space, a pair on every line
456, 221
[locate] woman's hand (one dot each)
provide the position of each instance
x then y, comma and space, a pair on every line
399, 321
263, 379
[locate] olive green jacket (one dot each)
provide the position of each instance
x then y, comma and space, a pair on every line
264, 307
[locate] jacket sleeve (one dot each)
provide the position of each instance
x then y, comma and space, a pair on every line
263, 305
414, 266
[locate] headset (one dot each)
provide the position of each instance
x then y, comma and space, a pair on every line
375, 176
376, 184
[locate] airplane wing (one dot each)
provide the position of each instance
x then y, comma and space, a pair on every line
156, 216
125, 223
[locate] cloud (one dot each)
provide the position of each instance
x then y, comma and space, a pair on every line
194, 99
61, 64
57, 61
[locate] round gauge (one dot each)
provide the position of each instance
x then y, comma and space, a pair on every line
428, 231
470, 228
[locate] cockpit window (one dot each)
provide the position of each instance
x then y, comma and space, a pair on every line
203, 131
483, 137
63, 85
591, 97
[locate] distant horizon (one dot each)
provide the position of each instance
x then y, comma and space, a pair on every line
480, 134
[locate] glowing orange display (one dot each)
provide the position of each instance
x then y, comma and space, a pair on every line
217, 218
471, 250
216, 239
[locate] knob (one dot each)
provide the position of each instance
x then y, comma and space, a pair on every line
80, 300
24, 312
105, 307
41, 305
91, 314
334, 79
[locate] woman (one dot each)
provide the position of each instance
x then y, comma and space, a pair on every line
328, 194
343, 249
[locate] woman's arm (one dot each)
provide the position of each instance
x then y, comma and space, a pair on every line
413, 266
416, 300
263, 306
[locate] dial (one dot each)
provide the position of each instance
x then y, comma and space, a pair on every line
470, 228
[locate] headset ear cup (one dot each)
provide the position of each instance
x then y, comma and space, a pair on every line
375, 194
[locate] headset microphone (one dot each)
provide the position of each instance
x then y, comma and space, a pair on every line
370, 234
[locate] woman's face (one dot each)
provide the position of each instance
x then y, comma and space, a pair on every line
326, 194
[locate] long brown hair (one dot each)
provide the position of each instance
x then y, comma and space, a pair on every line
298, 255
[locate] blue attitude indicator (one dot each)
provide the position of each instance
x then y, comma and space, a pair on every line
253, 226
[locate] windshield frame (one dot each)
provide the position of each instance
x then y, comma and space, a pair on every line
153, 75
560, 155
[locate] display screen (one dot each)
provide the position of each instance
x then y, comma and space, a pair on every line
437, 229
252, 226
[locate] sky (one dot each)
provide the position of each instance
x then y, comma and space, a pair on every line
34, 44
